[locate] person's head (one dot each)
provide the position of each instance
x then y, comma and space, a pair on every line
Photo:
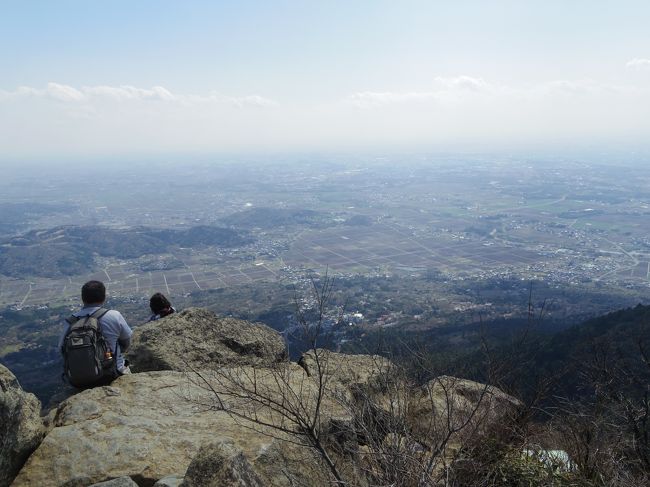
158, 303
93, 292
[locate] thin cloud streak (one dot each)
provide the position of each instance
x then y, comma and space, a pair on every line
126, 93
466, 90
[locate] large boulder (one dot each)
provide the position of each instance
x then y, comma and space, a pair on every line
151, 425
369, 372
282, 464
369, 386
197, 339
220, 464
21, 427
458, 406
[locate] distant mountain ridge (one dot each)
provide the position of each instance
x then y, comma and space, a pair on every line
267, 218
70, 250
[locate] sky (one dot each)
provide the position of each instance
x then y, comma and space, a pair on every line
111, 78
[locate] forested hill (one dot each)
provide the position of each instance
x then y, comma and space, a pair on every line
519, 354
611, 345
622, 330
609, 352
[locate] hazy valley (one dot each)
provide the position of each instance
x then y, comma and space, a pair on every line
414, 244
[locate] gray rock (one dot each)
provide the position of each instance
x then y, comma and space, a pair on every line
118, 482
196, 339
220, 465
21, 427
169, 481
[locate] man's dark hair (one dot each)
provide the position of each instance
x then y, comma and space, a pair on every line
158, 303
93, 292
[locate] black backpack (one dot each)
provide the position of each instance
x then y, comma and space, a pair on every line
88, 360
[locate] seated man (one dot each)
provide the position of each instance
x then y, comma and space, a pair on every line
93, 341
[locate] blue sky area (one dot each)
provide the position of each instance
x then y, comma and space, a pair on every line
95, 78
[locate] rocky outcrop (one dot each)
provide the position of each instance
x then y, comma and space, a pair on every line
151, 425
21, 427
375, 390
220, 411
196, 339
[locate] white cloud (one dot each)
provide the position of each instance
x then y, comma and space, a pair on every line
54, 91
443, 89
462, 82
638, 63
64, 92
125, 93
26, 91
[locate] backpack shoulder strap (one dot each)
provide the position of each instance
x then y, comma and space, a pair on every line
72, 319
98, 316
99, 313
